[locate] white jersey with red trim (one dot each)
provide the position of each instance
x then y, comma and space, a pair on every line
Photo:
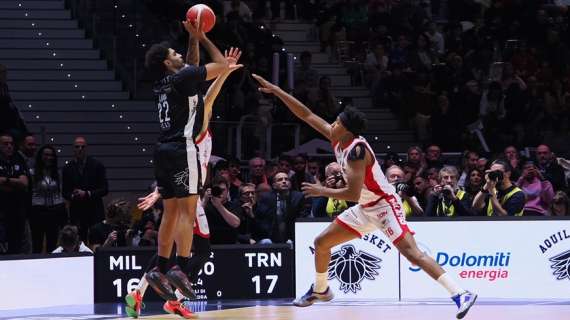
204, 145
376, 186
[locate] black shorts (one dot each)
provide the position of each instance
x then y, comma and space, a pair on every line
177, 169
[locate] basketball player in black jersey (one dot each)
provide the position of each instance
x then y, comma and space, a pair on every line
177, 168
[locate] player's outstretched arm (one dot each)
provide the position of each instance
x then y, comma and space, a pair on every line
299, 109
193, 53
232, 56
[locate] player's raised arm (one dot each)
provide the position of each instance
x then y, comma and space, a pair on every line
193, 53
219, 64
232, 56
297, 107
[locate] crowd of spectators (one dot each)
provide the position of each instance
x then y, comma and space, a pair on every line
457, 71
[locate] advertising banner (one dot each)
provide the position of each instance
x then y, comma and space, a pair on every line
361, 269
496, 259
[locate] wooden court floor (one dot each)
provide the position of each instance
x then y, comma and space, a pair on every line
385, 312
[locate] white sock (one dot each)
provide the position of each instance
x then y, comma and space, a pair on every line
179, 295
450, 285
143, 284
321, 282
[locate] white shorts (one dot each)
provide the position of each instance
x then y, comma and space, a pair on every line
201, 227
386, 215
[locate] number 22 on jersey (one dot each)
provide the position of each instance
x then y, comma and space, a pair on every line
163, 110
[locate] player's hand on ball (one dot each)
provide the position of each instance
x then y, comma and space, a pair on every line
194, 30
311, 190
264, 85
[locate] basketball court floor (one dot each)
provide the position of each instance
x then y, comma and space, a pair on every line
336, 310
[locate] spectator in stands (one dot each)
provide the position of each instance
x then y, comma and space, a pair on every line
235, 179
285, 164
223, 222
433, 156
11, 120
84, 186
277, 210
322, 100
27, 151
305, 72
13, 197
482, 164
410, 172
329, 207
469, 162
560, 205
447, 199
499, 197
422, 189
301, 175
115, 230
244, 208
391, 159
375, 64
549, 168
314, 169
537, 190
257, 171
238, 8
410, 204
423, 58
435, 38
474, 182
262, 189
69, 241
48, 212
512, 155
416, 157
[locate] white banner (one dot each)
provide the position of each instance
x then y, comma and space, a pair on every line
37, 283
496, 259
361, 269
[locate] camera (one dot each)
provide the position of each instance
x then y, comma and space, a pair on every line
217, 191
404, 188
446, 193
496, 175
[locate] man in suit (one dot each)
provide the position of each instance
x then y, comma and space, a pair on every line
277, 210
84, 186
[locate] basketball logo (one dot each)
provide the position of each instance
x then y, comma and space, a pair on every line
350, 268
561, 264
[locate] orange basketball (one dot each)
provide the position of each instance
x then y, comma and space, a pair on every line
207, 16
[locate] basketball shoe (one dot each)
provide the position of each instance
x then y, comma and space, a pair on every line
175, 307
134, 304
179, 279
160, 284
311, 297
464, 302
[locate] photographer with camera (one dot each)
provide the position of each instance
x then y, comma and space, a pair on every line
114, 231
499, 197
223, 223
330, 207
410, 204
447, 199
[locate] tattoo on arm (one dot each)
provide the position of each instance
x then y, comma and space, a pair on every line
193, 54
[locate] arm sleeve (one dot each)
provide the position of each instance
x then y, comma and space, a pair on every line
187, 80
358, 152
515, 203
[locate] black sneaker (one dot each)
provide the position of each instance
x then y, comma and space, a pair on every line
179, 279
160, 284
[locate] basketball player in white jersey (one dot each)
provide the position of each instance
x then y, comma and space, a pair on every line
379, 206
203, 143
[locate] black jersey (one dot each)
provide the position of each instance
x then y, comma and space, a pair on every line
180, 104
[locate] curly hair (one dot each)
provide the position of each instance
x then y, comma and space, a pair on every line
154, 59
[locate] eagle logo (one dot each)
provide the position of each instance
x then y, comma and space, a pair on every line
350, 267
561, 265
181, 178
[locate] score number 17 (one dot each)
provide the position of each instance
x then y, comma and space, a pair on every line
257, 280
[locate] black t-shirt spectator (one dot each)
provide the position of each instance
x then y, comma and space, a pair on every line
220, 231
99, 232
12, 207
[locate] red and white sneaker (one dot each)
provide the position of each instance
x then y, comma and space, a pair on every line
175, 307
134, 304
